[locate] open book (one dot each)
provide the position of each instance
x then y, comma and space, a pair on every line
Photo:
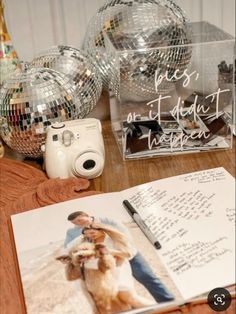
192, 216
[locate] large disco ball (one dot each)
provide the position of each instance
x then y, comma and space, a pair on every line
29, 102
84, 75
151, 38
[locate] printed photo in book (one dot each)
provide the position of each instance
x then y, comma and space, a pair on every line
95, 255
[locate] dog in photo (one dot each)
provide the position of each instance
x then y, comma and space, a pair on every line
95, 265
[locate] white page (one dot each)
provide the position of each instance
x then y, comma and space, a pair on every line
193, 217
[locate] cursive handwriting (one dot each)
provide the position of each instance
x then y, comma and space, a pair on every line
179, 111
189, 205
175, 139
147, 197
188, 256
165, 228
175, 77
230, 214
206, 176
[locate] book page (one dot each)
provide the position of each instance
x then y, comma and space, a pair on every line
45, 234
193, 218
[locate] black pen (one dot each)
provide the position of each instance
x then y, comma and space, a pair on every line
136, 217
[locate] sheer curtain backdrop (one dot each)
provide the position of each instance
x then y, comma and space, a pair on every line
36, 25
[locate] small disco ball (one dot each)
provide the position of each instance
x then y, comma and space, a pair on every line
79, 67
29, 102
153, 36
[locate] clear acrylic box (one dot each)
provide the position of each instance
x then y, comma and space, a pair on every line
166, 98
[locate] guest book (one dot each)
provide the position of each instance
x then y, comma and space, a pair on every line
191, 216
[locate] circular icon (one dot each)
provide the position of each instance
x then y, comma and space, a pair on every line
219, 299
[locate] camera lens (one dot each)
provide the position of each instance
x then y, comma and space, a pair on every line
89, 164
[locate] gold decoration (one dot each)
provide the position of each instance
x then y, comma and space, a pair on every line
8, 56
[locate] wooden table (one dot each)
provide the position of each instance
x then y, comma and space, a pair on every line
117, 175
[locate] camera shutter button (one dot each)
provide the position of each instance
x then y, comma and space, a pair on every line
58, 125
67, 137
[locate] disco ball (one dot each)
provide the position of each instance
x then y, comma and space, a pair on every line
29, 102
83, 74
153, 36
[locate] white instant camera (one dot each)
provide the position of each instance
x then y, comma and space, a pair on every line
74, 148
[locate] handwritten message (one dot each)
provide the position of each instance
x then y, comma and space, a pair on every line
230, 214
190, 206
193, 218
146, 197
188, 256
165, 228
205, 176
